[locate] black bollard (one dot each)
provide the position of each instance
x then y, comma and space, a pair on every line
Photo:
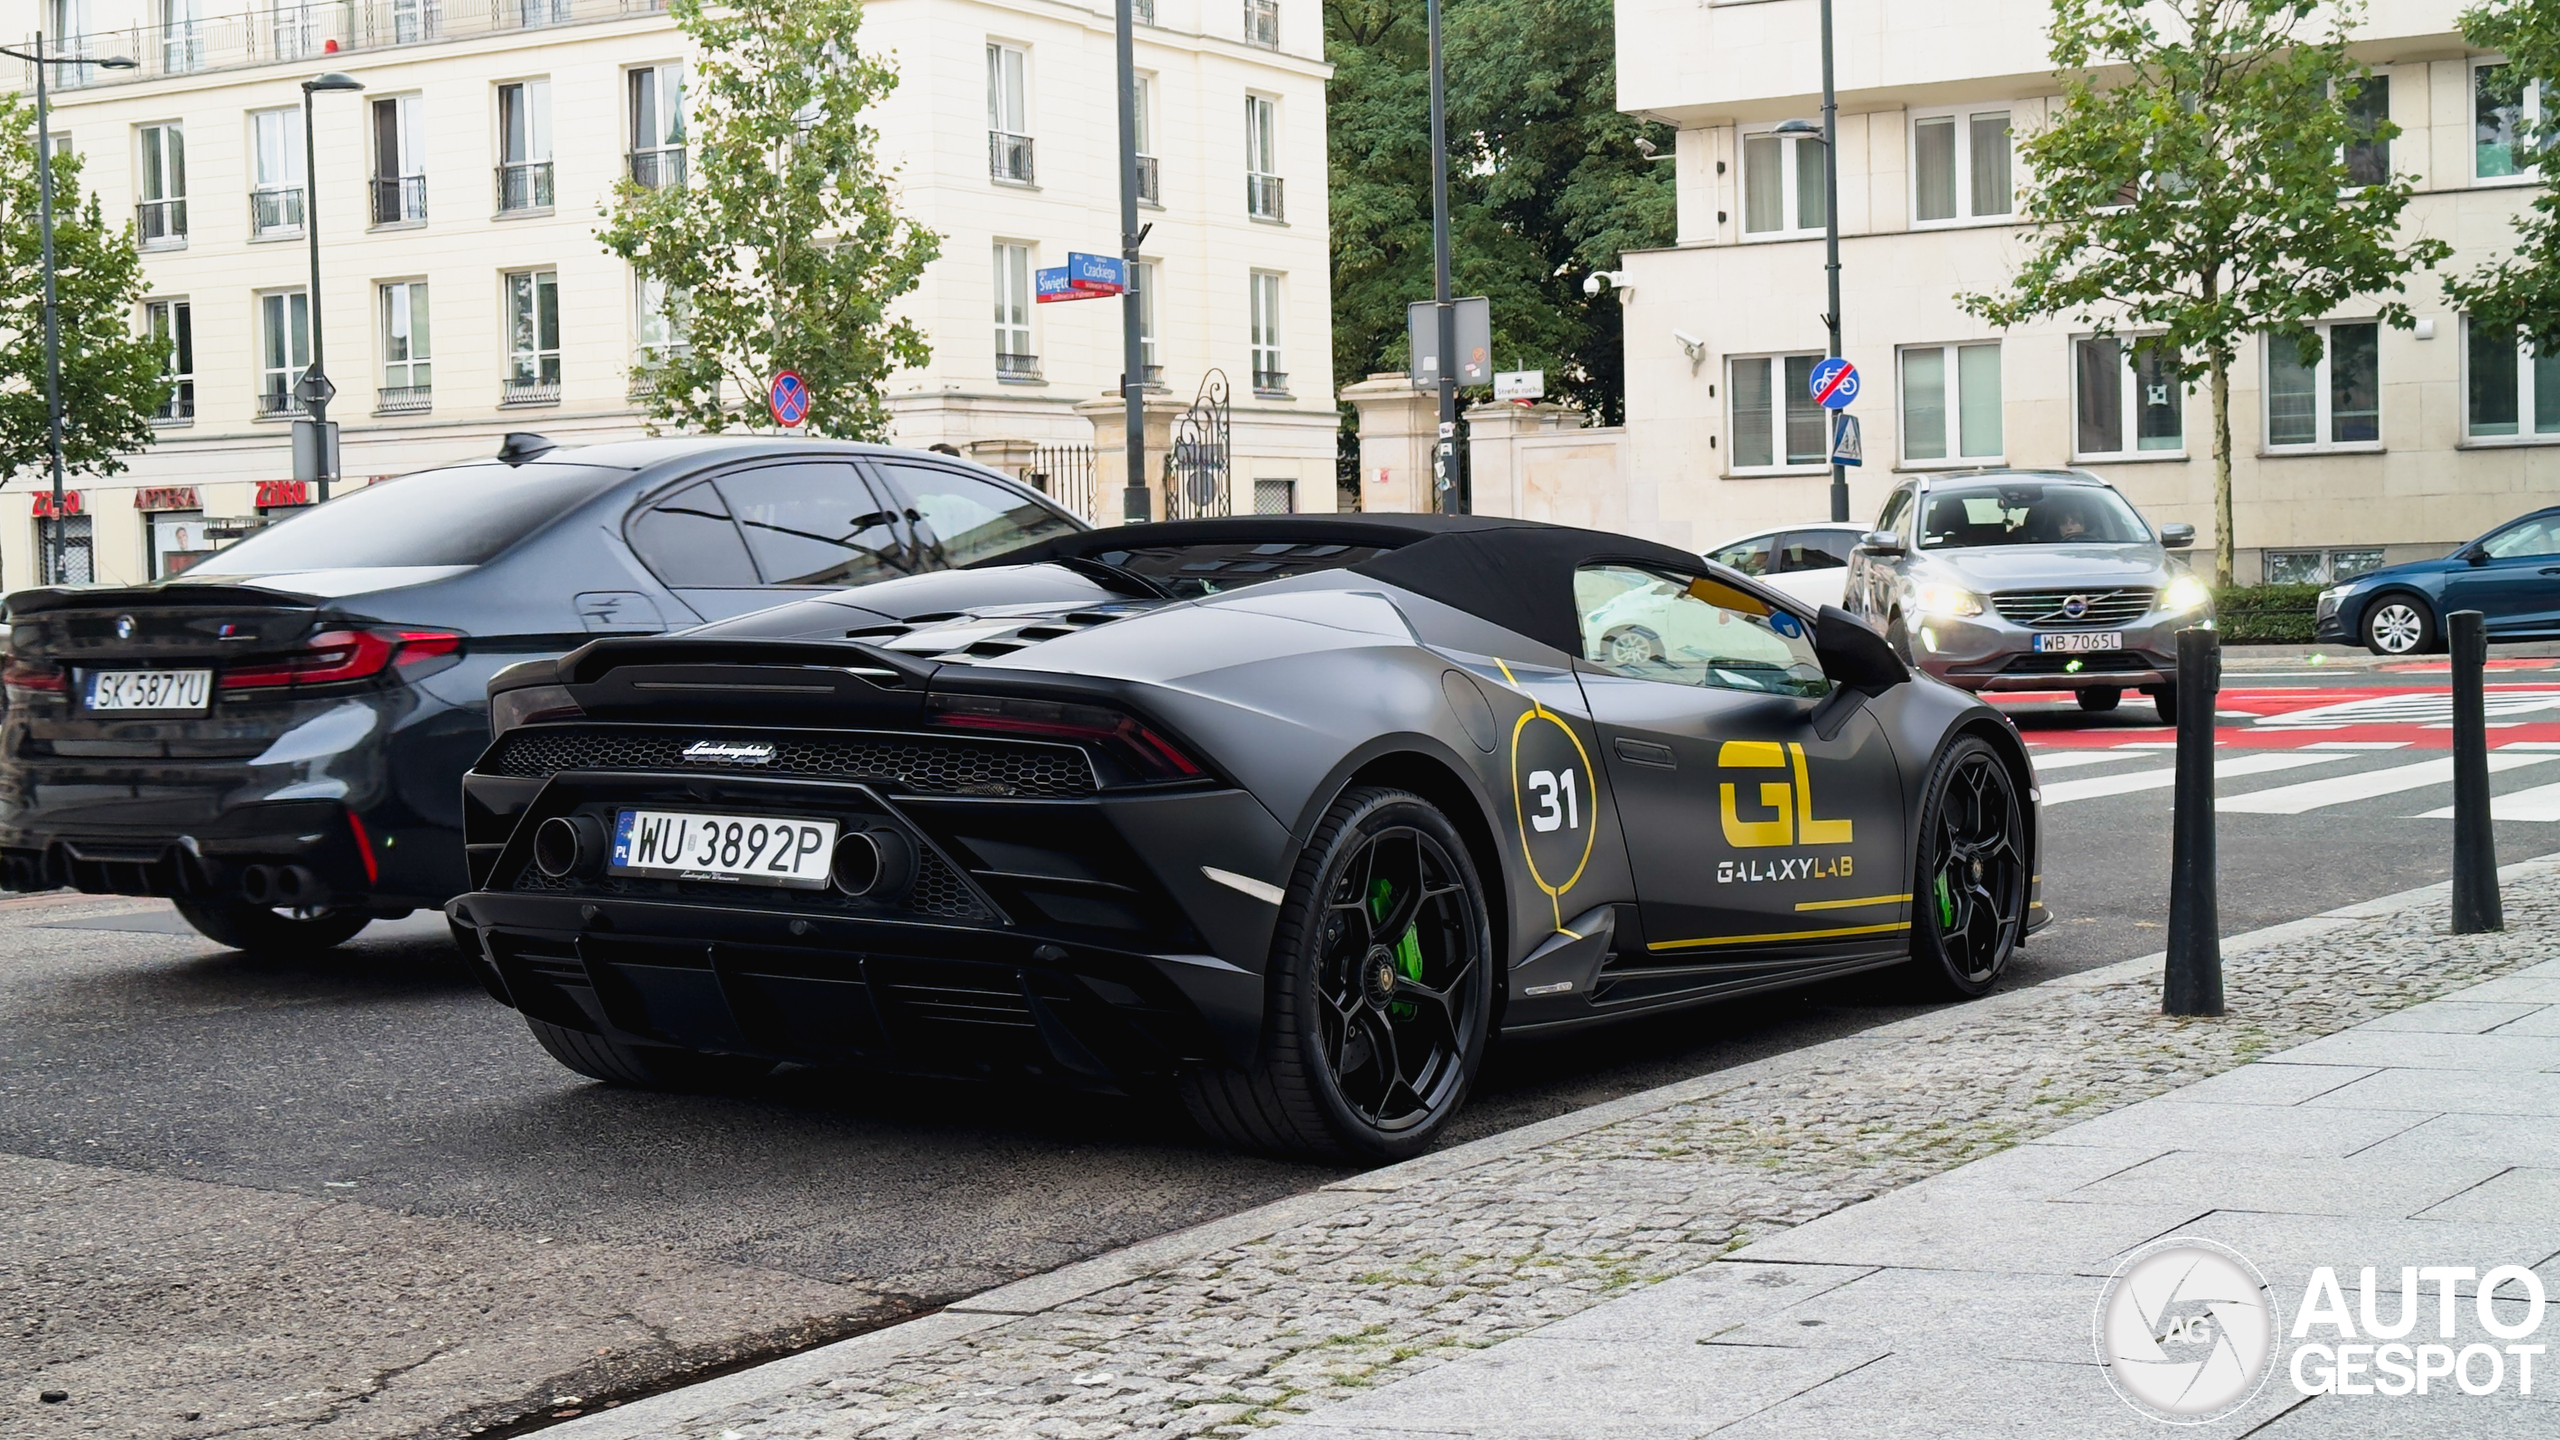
2192, 982
2475, 845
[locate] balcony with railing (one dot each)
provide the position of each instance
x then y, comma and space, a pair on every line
293, 34
1150, 180
180, 407
158, 223
399, 199
1262, 197
1009, 157
404, 399
1271, 384
275, 210
525, 185
525, 390
1262, 23
661, 168
1017, 367
276, 401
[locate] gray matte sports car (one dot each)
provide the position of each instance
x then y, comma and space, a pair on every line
1293, 813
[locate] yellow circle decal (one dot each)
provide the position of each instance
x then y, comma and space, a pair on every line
1563, 797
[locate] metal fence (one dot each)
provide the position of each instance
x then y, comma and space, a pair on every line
286, 33
1064, 473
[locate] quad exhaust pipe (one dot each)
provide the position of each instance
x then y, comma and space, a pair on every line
279, 885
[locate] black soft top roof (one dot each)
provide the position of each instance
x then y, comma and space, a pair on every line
1517, 574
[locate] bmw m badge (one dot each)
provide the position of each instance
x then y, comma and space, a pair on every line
124, 627
729, 752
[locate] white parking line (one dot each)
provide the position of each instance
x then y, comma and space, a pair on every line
2542, 802
2363, 785
2067, 759
2225, 767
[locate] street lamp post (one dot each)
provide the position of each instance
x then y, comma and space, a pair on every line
43, 64
1444, 462
315, 388
1830, 235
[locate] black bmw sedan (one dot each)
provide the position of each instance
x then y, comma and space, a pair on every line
275, 738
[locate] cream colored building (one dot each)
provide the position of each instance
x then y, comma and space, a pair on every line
2400, 445
464, 294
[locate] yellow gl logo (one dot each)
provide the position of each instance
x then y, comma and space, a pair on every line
1793, 822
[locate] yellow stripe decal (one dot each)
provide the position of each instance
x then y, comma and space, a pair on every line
1853, 904
1786, 935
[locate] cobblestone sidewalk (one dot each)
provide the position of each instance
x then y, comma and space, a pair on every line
1284, 1310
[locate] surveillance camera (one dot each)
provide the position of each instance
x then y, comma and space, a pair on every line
1644, 147
1593, 284
1689, 343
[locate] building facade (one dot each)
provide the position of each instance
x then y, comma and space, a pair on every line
2395, 445
464, 295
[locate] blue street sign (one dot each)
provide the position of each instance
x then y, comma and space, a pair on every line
788, 396
1834, 383
1846, 448
1097, 274
1051, 284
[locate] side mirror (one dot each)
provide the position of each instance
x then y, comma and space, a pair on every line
2473, 554
2177, 537
1881, 542
1853, 655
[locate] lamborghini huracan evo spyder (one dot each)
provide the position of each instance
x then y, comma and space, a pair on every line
1291, 812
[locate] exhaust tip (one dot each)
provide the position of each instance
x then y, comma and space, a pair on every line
258, 884
876, 864
568, 845
295, 885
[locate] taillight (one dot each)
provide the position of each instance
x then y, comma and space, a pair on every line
334, 657
1124, 737
42, 677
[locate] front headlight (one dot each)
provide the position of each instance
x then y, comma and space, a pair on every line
2186, 593
2330, 597
1948, 600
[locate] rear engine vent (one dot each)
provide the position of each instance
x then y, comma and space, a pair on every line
928, 764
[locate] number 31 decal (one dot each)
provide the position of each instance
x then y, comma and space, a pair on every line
1553, 816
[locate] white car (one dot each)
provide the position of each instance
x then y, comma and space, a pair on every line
1808, 562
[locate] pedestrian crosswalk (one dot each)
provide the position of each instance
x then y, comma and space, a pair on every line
2421, 785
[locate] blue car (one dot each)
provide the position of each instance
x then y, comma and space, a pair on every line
2510, 575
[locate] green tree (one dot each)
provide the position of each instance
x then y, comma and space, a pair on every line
2522, 287
2195, 188
784, 248
1546, 184
113, 380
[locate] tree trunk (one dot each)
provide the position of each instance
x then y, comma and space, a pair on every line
2222, 546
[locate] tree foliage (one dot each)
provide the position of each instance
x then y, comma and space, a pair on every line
1545, 183
2194, 187
2522, 287
113, 380
784, 248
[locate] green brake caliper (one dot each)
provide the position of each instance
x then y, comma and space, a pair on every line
1946, 902
1408, 948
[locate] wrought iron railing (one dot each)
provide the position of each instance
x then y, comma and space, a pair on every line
1270, 382
661, 168
398, 199
403, 399
181, 404
1200, 456
1064, 473
1262, 197
517, 391
274, 209
160, 222
1017, 367
300, 33
273, 402
1009, 156
525, 185
1150, 180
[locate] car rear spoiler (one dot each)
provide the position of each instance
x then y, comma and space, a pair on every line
64, 597
596, 659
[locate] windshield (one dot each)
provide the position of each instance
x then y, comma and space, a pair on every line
460, 515
1191, 571
2029, 513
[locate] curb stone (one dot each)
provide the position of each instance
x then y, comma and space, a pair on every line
1040, 1294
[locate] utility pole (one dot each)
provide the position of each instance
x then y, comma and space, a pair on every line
1135, 507
315, 389
1831, 249
1444, 455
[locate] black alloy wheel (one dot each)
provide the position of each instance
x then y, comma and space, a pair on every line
1969, 907
263, 931
1381, 990
2165, 698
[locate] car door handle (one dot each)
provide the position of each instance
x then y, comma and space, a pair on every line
1645, 752
2551, 569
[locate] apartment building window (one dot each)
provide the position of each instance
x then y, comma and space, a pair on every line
275, 199
657, 319
524, 146
1270, 375
2508, 390
1262, 158
533, 338
529, 13
1262, 23
76, 536
171, 325
1951, 402
415, 20
1959, 166
2127, 398
1144, 281
408, 365
1775, 421
284, 349
2333, 400
1015, 359
1008, 114
2368, 155
2506, 122
657, 125
160, 185
293, 28
182, 25
399, 165
1150, 170
1781, 184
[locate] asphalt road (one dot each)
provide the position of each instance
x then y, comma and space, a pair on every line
251, 1197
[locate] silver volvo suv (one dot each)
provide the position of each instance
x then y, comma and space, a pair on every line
2029, 580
